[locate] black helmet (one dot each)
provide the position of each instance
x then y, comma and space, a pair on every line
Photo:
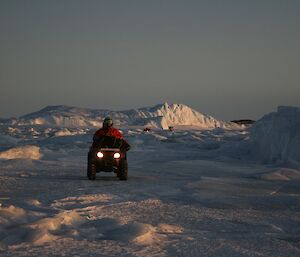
108, 122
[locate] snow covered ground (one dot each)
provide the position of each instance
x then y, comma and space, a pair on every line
189, 193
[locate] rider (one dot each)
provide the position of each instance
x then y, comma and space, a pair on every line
109, 130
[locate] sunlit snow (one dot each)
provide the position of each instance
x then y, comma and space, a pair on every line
207, 188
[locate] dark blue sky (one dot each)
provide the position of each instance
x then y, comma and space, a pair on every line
230, 59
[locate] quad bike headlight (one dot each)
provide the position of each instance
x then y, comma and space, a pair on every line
100, 155
117, 155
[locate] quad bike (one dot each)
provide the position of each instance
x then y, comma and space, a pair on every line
108, 155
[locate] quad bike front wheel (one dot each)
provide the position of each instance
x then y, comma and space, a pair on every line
91, 171
123, 170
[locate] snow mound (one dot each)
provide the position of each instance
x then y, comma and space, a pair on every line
22, 152
20, 226
38, 232
11, 218
56, 222
276, 137
129, 232
147, 235
283, 174
135, 232
33, 202
10, 213
170, 229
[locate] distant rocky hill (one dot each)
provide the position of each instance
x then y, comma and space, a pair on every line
159, 116
244, 122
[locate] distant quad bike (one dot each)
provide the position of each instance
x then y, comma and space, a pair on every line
108, 155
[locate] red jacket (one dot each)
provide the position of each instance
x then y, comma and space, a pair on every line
110, 132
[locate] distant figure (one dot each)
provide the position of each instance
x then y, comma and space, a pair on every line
171, 128
108, 130
147, 129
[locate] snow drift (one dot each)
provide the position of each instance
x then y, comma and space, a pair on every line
19, 226
276, 137
22, 152
23, 226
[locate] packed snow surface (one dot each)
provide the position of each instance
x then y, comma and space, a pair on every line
190, 192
